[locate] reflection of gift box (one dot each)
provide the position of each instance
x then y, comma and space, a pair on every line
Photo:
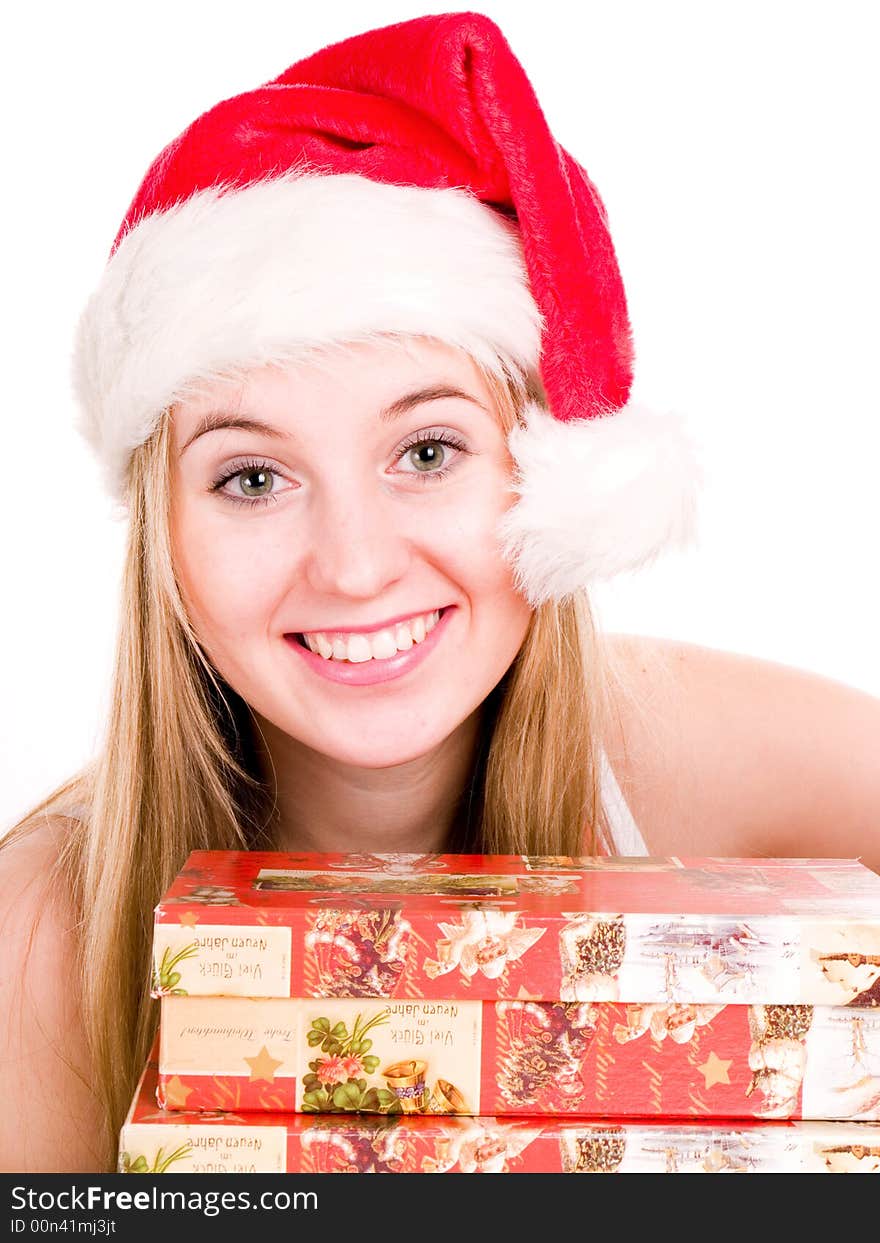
481, 927
597, 1151
158, 1141
519, 1057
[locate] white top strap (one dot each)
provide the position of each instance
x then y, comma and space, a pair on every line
625, 836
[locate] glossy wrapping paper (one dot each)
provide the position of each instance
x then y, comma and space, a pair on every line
519, 1057
158, 1141
444, 928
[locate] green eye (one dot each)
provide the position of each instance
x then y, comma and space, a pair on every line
256, 482
427, 455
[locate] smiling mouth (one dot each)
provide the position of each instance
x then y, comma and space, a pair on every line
383, 644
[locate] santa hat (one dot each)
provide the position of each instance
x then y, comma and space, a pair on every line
401, 182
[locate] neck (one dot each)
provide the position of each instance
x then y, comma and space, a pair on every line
323, 804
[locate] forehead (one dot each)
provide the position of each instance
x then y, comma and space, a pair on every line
364, 376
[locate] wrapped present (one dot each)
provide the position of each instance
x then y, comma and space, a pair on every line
155, 1141
488, 928
519, 1057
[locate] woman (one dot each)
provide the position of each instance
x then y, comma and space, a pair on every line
359, 367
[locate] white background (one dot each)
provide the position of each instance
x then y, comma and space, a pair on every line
735, 146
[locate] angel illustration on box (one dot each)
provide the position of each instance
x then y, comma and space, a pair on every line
677, 1020
486, 941
479, 1146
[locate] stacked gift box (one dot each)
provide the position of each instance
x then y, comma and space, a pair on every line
324, 1006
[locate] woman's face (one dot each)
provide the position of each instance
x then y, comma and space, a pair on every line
369, 500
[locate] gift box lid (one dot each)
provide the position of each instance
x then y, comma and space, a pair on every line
753, 931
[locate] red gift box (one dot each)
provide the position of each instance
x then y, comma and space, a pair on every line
157, 1141
482, 927
520, 1057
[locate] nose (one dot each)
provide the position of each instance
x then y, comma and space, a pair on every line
358, 544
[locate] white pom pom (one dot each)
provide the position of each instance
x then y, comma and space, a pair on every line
597, 497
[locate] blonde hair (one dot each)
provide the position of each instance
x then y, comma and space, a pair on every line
178, 770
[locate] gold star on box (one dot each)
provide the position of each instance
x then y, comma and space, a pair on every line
263, 1066
714, 1070
176, 1093
188, 919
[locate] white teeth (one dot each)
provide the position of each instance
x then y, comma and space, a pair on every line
359, 649
382, 645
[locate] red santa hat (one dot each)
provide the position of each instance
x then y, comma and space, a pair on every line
401, 182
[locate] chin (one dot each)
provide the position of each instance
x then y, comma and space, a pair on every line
378, 738
377, 754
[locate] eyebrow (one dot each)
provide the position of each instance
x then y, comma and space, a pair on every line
219, 419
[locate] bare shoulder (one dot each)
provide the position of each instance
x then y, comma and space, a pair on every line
50, 1119
720, 753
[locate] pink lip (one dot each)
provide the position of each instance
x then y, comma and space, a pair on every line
371, 672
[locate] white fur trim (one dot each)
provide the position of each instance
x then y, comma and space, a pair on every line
596, 497
232, 278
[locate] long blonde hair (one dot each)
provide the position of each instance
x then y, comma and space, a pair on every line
178, 770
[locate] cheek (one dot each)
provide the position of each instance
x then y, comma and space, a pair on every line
473, 529
225, 578
473, 559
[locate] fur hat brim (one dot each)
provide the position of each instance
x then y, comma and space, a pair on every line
233, 278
